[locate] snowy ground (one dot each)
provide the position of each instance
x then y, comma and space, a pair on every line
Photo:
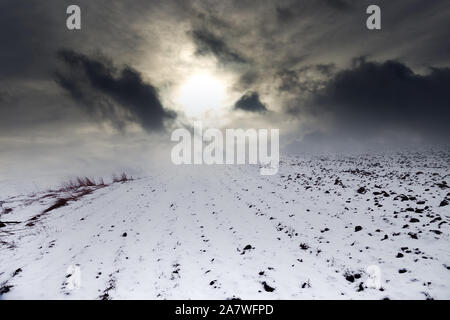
223, 232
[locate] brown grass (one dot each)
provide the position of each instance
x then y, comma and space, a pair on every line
78, 183
77, 189
74, 196
121, 178
61, 202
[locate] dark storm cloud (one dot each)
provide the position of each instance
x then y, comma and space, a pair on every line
24, 27
288, 35
208, 43
120, 96
305, 79
372, 98
275, 47
31, 33
250, 102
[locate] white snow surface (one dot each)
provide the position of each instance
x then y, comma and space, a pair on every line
222, 232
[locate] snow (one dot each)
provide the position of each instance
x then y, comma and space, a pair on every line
222, 232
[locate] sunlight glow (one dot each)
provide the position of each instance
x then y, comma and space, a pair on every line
202, 92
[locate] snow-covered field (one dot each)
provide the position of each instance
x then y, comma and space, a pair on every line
220, 232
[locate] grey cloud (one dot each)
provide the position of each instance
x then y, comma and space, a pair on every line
248, 78
339, 4
371, 99
117, 95
35, 107
31, 32
290, 10
305, 79
250, 102
24, 28
275, 47
208, 43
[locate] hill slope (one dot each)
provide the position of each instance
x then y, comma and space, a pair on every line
226, 232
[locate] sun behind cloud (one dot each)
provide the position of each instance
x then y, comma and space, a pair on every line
200, 93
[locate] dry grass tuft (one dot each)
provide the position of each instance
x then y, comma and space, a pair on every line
121, 178
77, 189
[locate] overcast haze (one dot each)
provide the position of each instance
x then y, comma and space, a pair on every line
107, 96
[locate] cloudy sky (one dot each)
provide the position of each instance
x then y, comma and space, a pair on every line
109, 95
